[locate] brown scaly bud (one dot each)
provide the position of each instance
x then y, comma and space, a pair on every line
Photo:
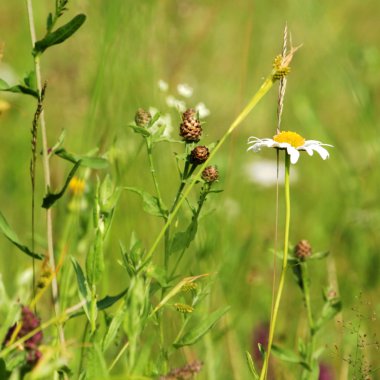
210, 174
186, 372
190, 129
190, 113
199, 155
302, 250
142, 117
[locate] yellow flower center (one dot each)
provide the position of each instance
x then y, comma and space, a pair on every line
292, 138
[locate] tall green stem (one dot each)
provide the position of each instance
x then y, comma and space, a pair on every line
46, 169
264, 370
306, 294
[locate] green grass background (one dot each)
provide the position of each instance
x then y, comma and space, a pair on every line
222, 49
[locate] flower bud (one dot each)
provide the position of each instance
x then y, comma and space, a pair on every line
142, 117
199, 155
302, 250
210, 174
190, 129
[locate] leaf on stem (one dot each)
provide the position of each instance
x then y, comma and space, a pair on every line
183, 239
197, 332
83, 289
86, 161
288, 356
151, 204
18, 89
13, 238
51, 198
251, 366
330, 309
60, 35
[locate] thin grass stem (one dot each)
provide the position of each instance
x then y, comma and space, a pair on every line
264, 370
46, 170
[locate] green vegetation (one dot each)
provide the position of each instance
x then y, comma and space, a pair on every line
152, 283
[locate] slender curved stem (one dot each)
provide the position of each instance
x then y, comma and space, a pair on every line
264, 370
46, 170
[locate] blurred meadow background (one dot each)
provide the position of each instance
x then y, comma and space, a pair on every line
223, 50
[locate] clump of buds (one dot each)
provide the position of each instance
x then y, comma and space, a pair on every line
199, 155
186, 372
210, 174
29, 322
302, 250
190, 129
142, 117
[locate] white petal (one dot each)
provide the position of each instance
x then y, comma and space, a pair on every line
202, 110
185, 90
294, 154
322, 151
308, 149
162, 85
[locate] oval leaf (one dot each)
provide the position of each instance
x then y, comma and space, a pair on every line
59, 35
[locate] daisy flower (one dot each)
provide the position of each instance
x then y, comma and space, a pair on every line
292, 142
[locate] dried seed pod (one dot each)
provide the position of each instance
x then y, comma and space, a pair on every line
210, 174
142, 117
302, 250
199, 155
190, 129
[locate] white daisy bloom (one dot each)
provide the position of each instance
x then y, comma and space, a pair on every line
202, 110
162, 85
172, 102
292, 142
184, 90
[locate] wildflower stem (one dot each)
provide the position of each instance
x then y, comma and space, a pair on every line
306, 294
153, 172
264, 370
46, 170
265, 87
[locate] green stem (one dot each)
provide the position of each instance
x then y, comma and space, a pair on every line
264, 370
46, 170
306, 294
265, 87
153, 172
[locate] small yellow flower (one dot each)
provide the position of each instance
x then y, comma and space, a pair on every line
4, 106
77, 186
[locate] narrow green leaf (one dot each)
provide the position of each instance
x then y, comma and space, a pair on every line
251, 366
151, 205
286, 355
330, 309
139, 130
86, 161
318, 255
95, 260
51, 198
83, 289
108, 301
59, 35
114, 326
96, 368
183, 239
19, 89
12, 236
201, 329
3, 85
